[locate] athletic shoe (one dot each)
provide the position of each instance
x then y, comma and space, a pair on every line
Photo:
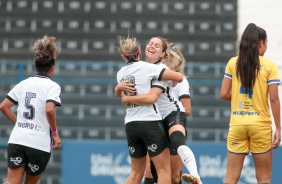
191, 179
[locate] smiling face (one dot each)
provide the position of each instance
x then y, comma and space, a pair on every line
155, 50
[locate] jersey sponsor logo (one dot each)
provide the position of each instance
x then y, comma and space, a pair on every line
245, 113
152, 148
246, 105
131, 149
133, 106
16, 160
28, 126
34, 168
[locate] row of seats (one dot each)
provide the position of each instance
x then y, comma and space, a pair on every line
76, 49
99, 94
116, 7
105, 27
85, 33
105, 70
106, 48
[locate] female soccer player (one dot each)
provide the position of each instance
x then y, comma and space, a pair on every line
176, 62
173, 113
143, 125
35, 130
254, 81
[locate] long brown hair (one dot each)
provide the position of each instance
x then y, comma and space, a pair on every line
248, 64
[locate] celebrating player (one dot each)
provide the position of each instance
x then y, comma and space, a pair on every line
172, 111
143, 123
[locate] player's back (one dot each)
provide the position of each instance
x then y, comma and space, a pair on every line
141, 74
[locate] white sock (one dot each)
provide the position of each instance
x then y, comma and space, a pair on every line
188, 159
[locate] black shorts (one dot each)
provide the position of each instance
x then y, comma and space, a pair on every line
145, 136
34, 160
174, 118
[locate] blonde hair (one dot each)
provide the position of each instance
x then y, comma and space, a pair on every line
129, 47
45, 48
174, 58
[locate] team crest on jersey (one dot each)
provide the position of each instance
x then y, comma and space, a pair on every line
131, 79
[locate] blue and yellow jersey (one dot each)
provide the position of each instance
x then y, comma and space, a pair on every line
251, 106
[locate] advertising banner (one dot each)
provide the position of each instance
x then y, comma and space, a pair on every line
109, 162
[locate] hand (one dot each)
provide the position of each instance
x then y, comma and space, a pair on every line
124, 100
174, 83
276, 139
56, 142
127, 87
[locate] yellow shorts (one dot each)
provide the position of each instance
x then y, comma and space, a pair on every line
249, 138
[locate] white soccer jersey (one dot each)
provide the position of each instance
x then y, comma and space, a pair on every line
166, 102
181, 90
141, 74
32, 128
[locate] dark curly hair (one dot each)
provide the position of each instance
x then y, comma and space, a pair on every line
45, 53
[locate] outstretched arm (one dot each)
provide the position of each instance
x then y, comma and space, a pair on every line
172, 75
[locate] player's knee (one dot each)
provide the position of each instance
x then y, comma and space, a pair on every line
264, 181
176, 177
230, 181
175, 180
177, 139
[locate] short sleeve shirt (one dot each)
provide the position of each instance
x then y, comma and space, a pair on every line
142, 74
251, 106
31, 95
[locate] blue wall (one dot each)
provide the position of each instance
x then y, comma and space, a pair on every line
108, 162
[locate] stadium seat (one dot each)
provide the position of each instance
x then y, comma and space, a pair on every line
118, 134
93, 134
